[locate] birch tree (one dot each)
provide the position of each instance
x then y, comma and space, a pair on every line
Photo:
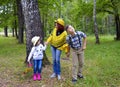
95, 24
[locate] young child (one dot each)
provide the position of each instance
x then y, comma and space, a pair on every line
37, 55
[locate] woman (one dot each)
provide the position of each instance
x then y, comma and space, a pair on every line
57, 40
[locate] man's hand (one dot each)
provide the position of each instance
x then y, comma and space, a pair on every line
68, 54
84, 44
84, 47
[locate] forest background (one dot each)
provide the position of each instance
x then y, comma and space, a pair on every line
98, 19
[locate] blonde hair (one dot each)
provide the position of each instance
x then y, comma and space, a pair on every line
71, 27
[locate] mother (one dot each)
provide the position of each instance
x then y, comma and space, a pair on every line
57, 40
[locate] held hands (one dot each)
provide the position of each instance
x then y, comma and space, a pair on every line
46, 43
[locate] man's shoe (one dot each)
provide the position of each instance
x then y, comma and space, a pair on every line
74, 80
80, 76
53, 75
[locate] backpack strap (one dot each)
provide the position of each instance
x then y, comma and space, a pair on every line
71, 44
78, 38
70, 39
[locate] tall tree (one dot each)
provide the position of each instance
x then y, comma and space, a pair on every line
32, 22
20, 22
112, 7
15, 19
95, 23
117, 19
6, 31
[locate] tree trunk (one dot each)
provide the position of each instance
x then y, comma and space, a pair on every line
5, 31
15, 26
108, 24
13, 32
95, 24
117, 22
32, 22
20, 22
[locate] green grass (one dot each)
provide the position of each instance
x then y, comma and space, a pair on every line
101, 68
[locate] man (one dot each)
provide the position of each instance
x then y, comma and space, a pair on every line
77, 44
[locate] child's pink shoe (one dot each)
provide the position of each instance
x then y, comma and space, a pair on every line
39, 77
34, 77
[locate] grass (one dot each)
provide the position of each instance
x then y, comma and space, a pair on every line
101, 68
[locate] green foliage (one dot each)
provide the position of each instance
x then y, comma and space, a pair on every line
6, 13
108, 6
1, 29
78, 13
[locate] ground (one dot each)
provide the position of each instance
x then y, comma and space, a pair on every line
23, 78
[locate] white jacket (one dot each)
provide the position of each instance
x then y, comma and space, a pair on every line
37, 52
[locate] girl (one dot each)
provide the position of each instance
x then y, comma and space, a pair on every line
37, 55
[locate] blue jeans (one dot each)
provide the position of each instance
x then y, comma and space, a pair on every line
37, 66
56, 60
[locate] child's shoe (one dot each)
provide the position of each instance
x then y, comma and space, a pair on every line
34, 77
39, 77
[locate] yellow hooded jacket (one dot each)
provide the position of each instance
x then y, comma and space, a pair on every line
58, 41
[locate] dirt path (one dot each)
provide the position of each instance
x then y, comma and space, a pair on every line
12, 78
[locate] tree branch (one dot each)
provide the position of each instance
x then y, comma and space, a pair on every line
110, 12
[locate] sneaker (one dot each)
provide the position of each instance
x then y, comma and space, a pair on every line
53, 75
74, 80
59, 77
80, 76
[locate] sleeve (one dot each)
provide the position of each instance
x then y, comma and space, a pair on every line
65, 48
82, 34
44, 47
31, 54
50, 37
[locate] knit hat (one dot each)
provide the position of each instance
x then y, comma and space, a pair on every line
35, 40
60, 21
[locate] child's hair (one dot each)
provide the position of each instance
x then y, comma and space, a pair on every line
68, 26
